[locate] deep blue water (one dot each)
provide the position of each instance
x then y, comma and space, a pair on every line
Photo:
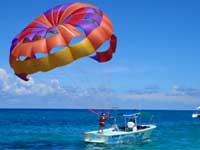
62, 130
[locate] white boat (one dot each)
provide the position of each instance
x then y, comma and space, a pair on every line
197, 113
123, 134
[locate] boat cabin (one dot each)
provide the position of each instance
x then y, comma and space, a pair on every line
130, 123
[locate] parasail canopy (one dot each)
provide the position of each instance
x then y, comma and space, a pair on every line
58, 27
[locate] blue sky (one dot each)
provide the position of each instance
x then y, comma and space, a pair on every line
155, 66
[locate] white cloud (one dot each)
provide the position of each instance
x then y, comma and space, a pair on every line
4, 77
174, 98
33, 93
15, 86
3, 74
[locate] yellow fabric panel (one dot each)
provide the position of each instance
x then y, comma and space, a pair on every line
81, 49
60, 58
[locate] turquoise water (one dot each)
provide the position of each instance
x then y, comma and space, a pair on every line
62, 130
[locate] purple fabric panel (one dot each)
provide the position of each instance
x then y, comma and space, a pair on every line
87, 26
36, 31
14, 43
54, 29
94, 11
66, 19
91, 10
48, 12
96, 17
41, 25
42, 33
30, 36
95, 57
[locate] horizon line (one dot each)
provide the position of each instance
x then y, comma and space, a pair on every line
9, 108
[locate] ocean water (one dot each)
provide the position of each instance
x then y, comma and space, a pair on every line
31, 129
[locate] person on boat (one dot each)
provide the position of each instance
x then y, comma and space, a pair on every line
102, 120
131, 125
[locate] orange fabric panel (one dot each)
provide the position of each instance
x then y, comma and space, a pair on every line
107, 20
68, 32
44, 20
99, 35
55, 40
107, 25
23, 49
106, 28
39, 46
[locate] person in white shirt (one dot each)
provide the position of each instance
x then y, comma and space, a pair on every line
131, 125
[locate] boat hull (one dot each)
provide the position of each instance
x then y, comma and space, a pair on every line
195, 115
116, 137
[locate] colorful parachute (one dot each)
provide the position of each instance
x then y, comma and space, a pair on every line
63, 22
